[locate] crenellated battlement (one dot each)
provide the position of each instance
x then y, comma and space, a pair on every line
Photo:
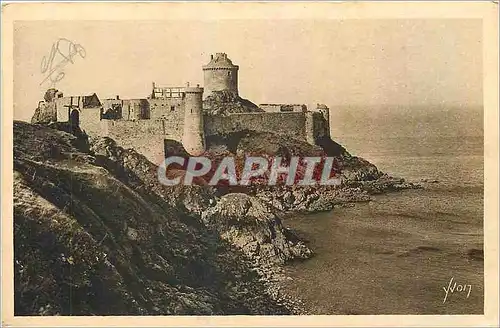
166, 92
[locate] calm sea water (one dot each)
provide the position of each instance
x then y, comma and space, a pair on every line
395, 254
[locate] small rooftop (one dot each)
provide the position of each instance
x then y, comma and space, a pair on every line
220, 60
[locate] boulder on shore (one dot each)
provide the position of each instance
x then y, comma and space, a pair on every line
249, 224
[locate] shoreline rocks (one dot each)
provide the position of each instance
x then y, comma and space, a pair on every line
250, 224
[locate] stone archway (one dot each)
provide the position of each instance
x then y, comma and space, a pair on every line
74, 118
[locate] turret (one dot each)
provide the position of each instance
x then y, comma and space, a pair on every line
153, 95
220, 75
309, 128
325, 111
193, 137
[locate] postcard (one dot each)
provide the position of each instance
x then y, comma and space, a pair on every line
250, 164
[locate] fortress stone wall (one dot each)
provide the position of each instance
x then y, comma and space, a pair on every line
145, 136
176, 113
169, 108
148, 136
277, 108
90, 121
291, 124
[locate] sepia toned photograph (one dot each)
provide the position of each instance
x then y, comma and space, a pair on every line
299, 166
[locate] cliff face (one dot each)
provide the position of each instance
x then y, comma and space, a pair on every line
94, 234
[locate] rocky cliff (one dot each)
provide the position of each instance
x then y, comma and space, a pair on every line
226, 102
360, 178
96, 234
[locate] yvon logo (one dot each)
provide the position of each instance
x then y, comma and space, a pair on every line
454, 287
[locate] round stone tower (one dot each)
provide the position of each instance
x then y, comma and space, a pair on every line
193, 138
220, 74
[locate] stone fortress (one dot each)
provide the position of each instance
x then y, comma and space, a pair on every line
181, 114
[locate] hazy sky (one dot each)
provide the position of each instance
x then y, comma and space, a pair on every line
349, 62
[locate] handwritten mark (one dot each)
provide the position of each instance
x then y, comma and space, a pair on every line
458, 288
62, 52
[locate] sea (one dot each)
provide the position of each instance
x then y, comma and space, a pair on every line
416, 251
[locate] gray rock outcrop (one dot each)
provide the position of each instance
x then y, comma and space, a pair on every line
250, 224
